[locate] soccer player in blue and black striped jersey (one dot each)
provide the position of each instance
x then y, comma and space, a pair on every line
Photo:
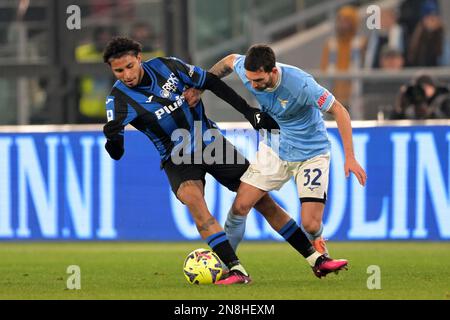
149, 96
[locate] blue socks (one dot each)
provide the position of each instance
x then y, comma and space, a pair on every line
288, 229
215, 239
220, 245
235, 229
292, 233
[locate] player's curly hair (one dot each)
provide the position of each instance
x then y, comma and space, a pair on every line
120, 46
259, 56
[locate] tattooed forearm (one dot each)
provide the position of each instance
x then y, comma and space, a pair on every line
222, 68
207, 224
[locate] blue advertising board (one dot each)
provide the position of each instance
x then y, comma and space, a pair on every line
63, 186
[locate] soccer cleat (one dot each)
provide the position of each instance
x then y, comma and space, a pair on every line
320, 246
225, 269
324, 265
234, 277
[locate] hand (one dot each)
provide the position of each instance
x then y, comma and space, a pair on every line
115, 149
262, 120
114, 141
112, 129
192, 96
351, 165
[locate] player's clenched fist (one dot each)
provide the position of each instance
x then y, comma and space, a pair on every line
112, 129
192, 96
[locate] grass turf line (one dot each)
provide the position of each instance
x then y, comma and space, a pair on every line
153, 270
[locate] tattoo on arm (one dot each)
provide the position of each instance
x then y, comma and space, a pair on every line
207, 224
221, 69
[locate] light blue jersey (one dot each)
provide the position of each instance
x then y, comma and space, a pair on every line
295, 103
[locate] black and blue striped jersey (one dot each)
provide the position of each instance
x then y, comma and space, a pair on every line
157, 108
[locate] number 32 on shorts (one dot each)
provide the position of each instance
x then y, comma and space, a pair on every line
312, 176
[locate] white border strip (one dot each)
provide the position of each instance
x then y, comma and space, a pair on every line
52, 128
357, 124
222, 125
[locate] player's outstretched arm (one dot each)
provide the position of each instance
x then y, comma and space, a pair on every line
345, 130
221, 69
257, 118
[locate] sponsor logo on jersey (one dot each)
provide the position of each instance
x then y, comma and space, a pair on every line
171, 83
322, 99
149, 99
165, 94
170, 108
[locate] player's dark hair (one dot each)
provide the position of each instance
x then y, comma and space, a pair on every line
259, 56
120, 46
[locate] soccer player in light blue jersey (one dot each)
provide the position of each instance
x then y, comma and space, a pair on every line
296, 101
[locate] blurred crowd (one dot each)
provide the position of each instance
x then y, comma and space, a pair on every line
24, 38
422, 98
92, 89
410, 35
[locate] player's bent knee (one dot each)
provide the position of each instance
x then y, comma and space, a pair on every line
266, 201
190, 196
266, 205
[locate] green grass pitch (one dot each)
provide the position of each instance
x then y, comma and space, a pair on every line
153, 270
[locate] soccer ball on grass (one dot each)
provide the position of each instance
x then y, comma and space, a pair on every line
202, 266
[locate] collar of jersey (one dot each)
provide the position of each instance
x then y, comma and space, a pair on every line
278, 81
150, 74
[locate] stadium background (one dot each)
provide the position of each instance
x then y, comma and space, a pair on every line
58, 183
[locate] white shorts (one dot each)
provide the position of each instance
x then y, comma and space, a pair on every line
269, 172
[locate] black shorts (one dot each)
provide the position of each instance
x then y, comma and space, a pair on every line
227, 174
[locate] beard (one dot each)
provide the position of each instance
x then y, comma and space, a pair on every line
269, 84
